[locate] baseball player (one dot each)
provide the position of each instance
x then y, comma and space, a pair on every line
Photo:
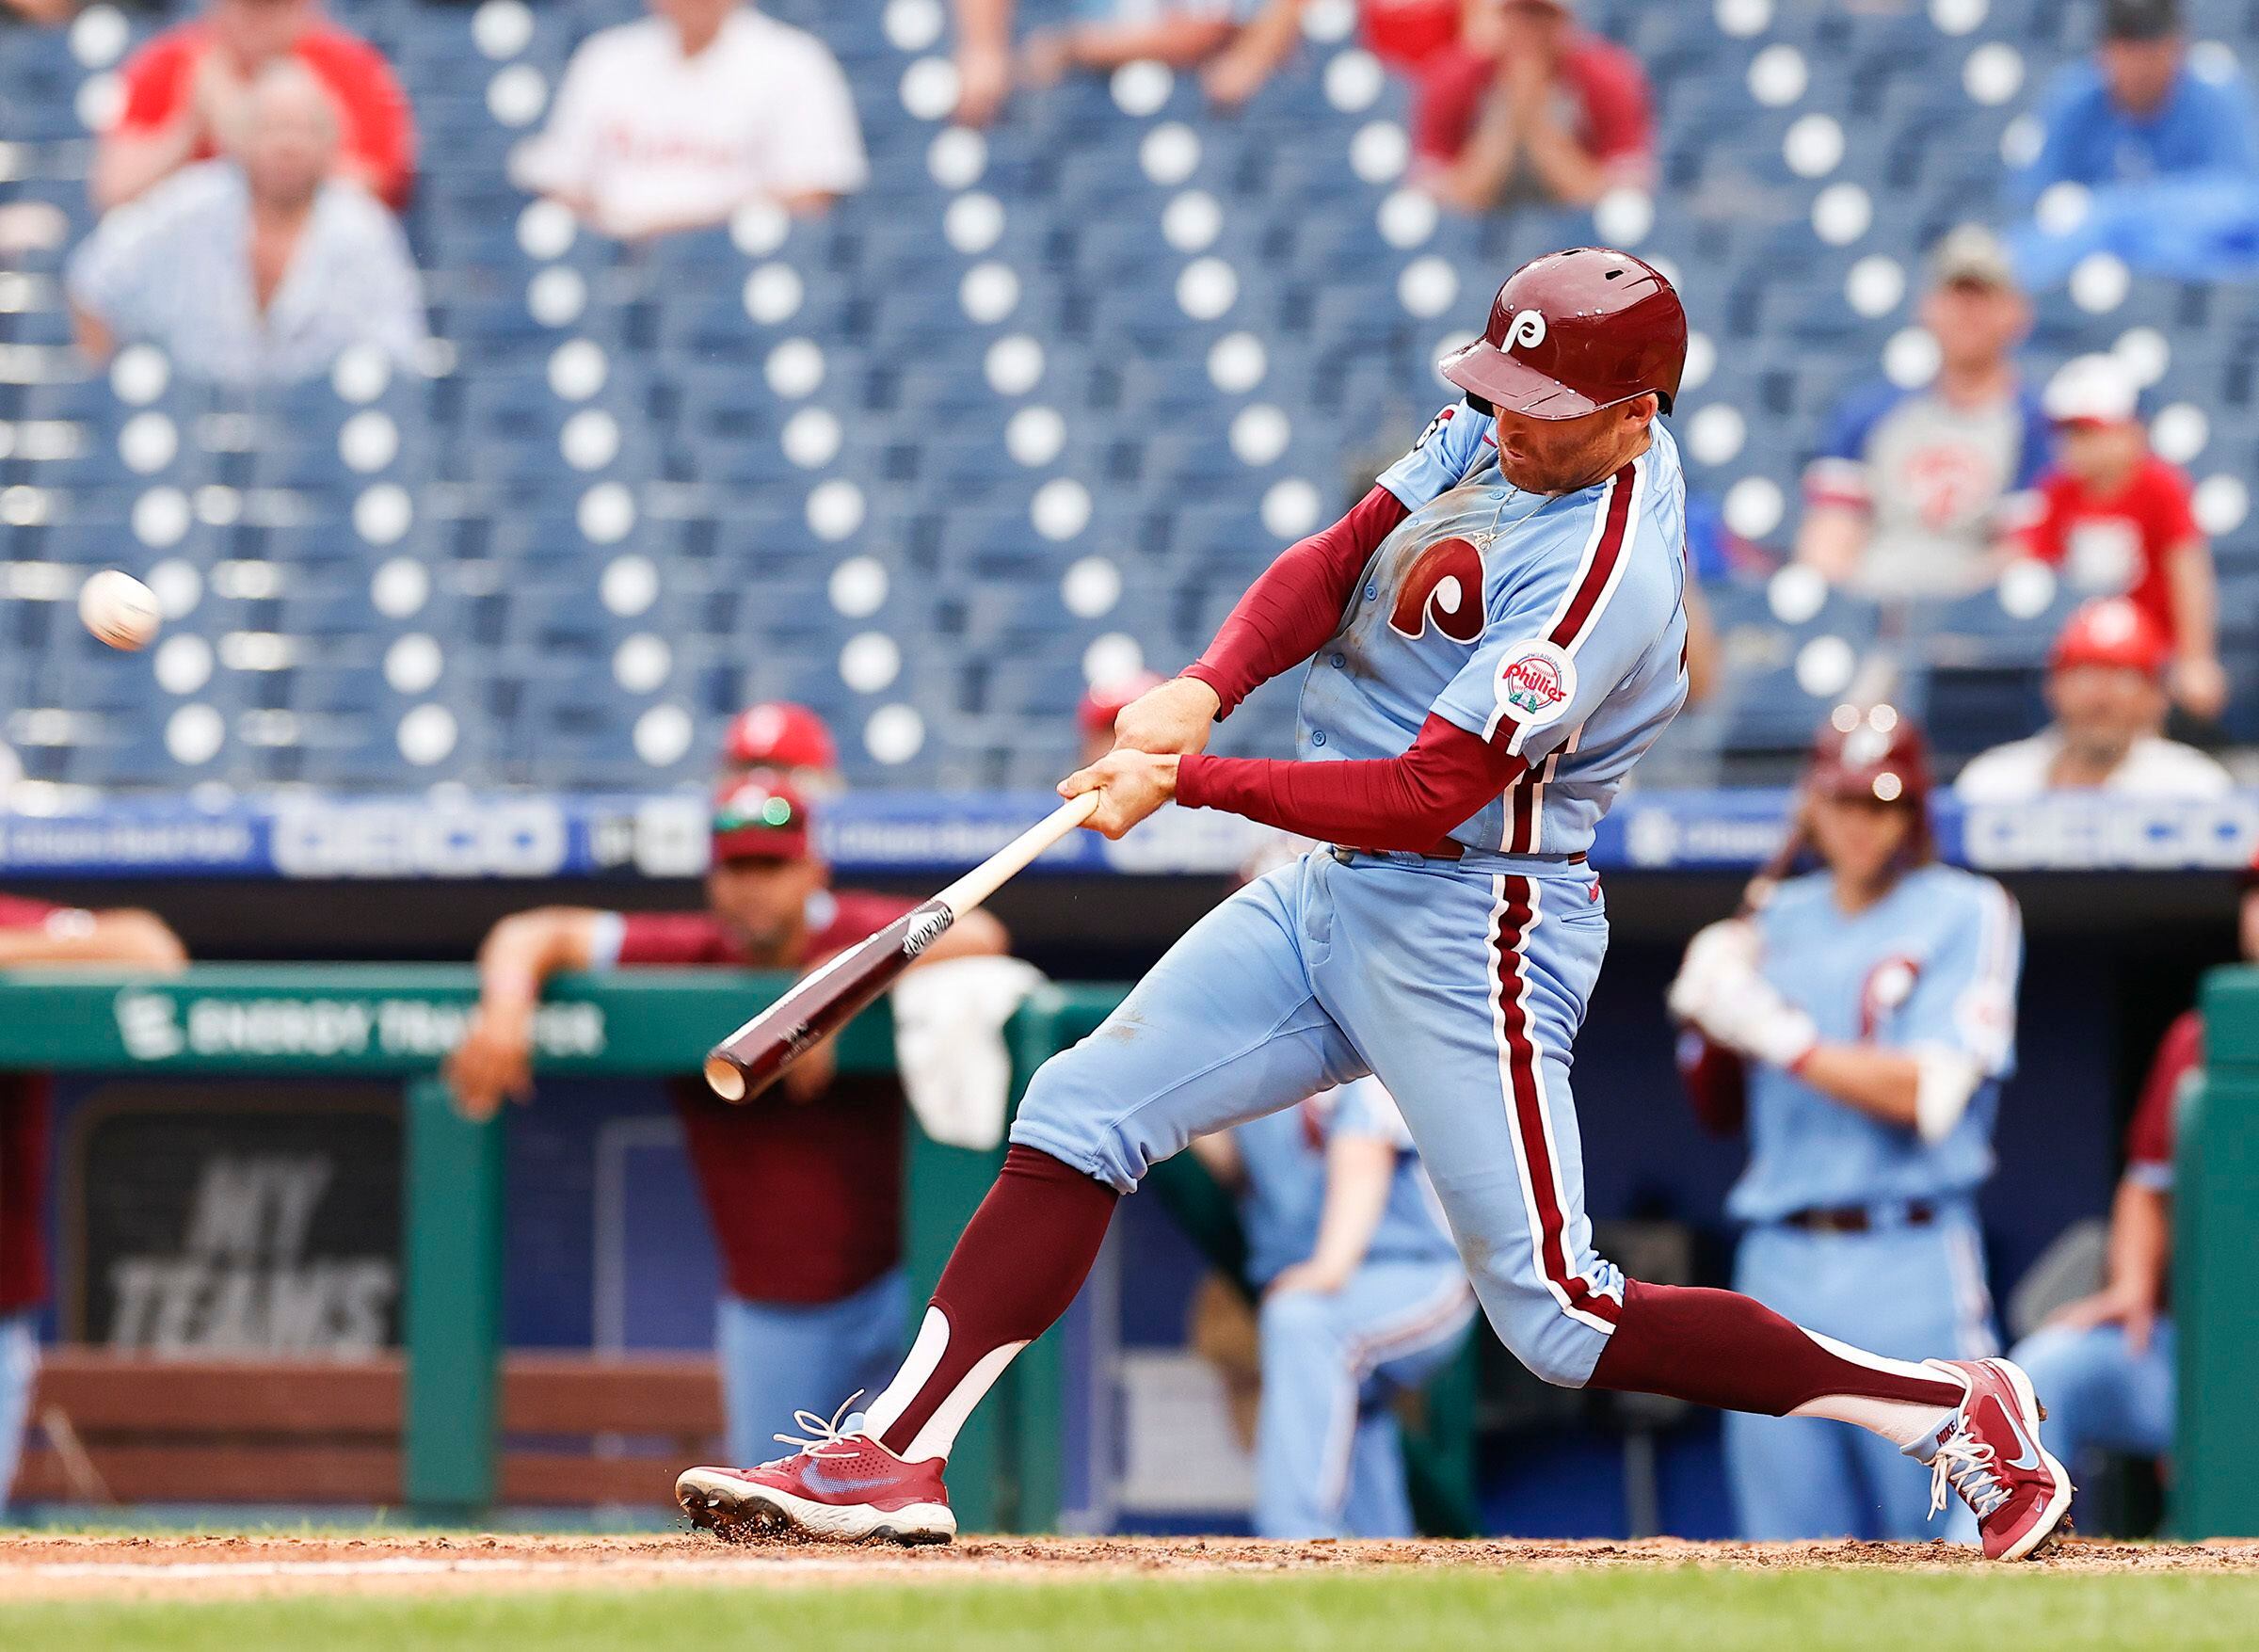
1860, 1022
1489, 650
1363, 1298
34, 933
804, 1186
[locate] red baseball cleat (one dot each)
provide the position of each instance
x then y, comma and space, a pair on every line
1989, 1452
837, 1485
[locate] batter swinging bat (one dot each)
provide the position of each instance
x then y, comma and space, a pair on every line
750, 1059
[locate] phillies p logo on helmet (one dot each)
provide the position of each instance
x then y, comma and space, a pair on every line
1528, 331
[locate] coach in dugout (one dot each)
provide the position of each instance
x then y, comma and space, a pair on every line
1860, 1023
803, 1184
33, 934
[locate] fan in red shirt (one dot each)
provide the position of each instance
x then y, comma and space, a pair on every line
2116, 520
1404, 34
2108, 1359
35, 933
1530, 106
804, 1183
186, 92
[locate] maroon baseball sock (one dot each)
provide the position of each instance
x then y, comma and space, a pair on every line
1716, 1348
1016, 1267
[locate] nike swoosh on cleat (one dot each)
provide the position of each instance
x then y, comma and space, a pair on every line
2029, 1459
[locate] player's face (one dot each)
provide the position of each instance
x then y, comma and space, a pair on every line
1564, 455
2104, 709
763, 902
2140, 72
1858, 837
1975, 324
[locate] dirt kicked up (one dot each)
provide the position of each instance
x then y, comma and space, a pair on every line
219, 1567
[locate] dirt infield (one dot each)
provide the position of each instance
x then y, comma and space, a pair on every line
215, 1567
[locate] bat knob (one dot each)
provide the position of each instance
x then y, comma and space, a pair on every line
725, 1077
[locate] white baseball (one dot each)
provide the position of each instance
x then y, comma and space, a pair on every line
119, 609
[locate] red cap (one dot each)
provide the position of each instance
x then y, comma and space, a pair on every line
777, 734
2112, 631
1576, 331
1877, 753
1103, 701
762, 816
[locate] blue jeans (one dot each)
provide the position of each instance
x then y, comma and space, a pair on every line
1329, 1462
19, 1370
1905, 1293
778, 1357
1460, 986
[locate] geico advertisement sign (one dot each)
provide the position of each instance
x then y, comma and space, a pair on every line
504, 838
161, 1026
2111, 831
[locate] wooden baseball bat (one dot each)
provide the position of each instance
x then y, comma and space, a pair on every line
1778, 865
750, 1059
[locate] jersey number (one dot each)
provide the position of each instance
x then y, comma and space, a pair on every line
1445, 586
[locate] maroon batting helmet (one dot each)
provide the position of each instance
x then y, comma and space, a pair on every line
1576, 331
1873, 754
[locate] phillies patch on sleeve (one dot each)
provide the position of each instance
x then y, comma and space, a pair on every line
1536, 682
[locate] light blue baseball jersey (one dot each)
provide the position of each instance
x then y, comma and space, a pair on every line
1933, 964
1284, 1155
1553, 618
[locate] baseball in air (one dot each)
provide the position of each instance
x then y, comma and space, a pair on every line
118, 609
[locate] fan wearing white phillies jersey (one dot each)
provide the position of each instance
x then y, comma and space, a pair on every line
1858, 1207
1482, 675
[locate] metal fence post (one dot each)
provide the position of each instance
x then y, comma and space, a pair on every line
451, 1328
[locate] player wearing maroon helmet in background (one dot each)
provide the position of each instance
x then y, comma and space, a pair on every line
35, 934
790, 739
803, 1185
2105, 684
1103, 702
1860, 1022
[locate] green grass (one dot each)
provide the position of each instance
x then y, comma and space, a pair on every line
1590, 1611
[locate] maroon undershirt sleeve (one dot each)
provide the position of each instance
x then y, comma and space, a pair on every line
1408, 802
1296, 603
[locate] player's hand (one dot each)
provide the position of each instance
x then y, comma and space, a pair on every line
2201, 686
494, 1063
1131, 786
1721, 955
1171, 719
1747, 1013
983, 82
1236, 77
1305, 1275
2137, 1316
812, 1074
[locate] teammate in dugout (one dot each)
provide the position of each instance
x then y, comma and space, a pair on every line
804, 1185
1860, 1022
1494, 636
1363, 1299
34, 933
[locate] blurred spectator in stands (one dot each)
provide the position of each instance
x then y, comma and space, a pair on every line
256, 270
1403, 33
2105, 687
1911, 488
2116, 520
1530, 106
1103, 702
675, 121
803, 1183
2146, 154
792, 740
1182, 34
39, 936
188, 98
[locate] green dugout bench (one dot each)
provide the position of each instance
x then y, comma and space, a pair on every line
397, 1022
